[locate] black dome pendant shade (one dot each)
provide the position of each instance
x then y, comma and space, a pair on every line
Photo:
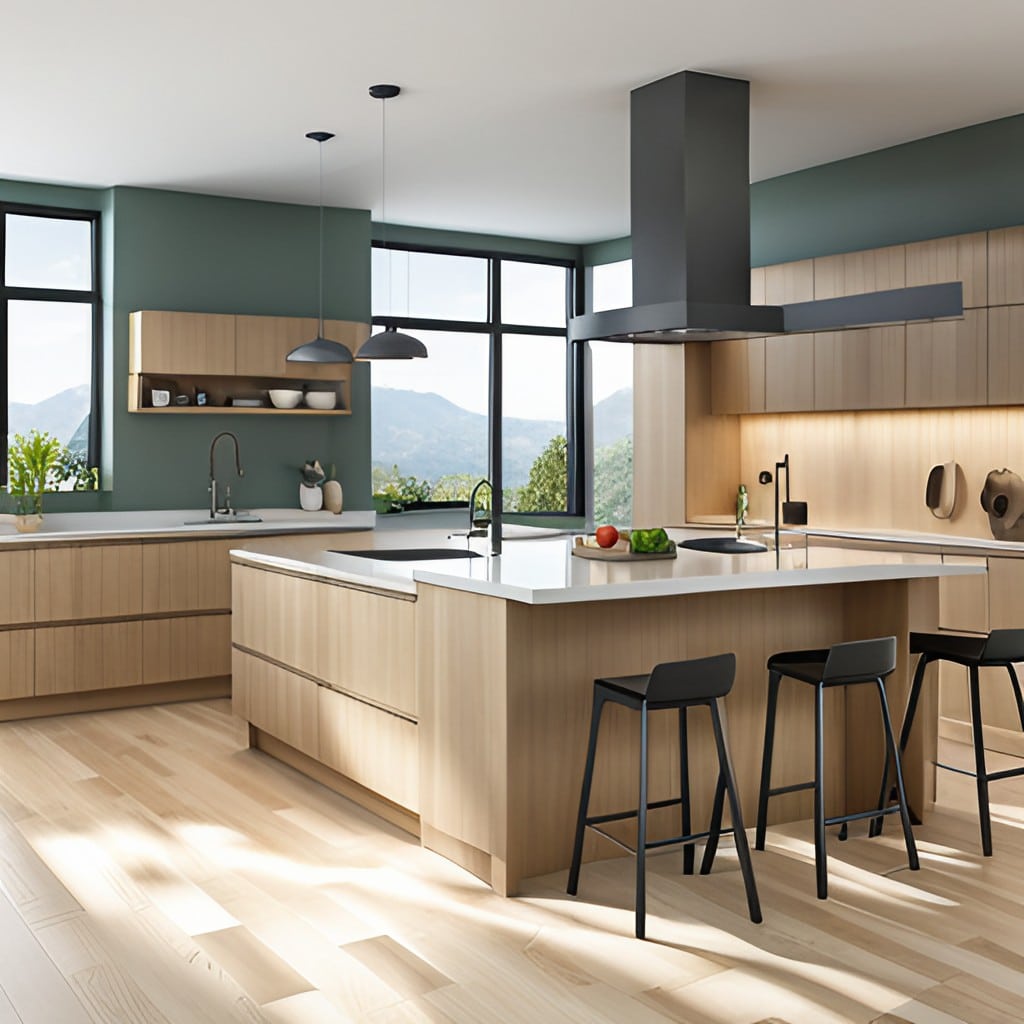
320, 349
389, 343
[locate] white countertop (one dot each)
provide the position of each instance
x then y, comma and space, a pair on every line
543, 571
65, 526
983, 545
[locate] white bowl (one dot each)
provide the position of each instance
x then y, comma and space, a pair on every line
321, 399
284, 398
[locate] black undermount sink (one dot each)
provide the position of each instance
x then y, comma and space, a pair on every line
723, 545
411, 554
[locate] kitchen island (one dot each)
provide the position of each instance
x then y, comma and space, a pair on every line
454, 696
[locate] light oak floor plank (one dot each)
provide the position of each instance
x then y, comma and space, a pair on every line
153, 868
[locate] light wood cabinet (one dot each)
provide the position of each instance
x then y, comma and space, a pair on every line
186, 647
17, 663
737, 375
277, 701
789, 373
1006, 355
860, 369
854, 273
263, 342
73, 659
182, 343
88, 582
186, 576
958, 258
789, 282
17, 587
947, 361
1006, 266
963, 600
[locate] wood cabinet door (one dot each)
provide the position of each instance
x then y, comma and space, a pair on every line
854, 273
947, 361
17, 587
186, 576
96, 581
263, 342
186, 647
958, 258
1006, 266
74, 659
17, 663
1005, 355
182, 343
737, 375
789, 282
789, 373
860, 369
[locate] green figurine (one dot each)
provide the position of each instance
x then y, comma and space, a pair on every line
742, 506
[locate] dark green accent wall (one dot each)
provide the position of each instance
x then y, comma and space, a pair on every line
484, 243
948, 184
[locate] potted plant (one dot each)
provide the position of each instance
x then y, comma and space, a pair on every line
311, 497
397, 493
32, 463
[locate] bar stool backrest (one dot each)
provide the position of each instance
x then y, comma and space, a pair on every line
699, 679
1004, 645
860, 660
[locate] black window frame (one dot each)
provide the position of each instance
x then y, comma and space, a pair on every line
495, 328
92, 296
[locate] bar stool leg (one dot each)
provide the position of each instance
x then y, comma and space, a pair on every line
820, 856
684, 790
588, 776
740, 836
890, 745
715, 826
1016, 692
641, 832
774, 678
979, 764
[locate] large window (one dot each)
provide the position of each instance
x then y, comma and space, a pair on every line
432, 418
50, 325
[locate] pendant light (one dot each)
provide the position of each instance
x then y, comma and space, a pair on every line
389, 343
320, 349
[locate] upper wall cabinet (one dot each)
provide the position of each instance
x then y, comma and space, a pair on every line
1005, 355
947, 361
737, 375
262, 342
173, 343
853, 273
960, 258
789, 282
862, 369
788, 373
1006, 266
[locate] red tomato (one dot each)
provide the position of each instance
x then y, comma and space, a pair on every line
606, 536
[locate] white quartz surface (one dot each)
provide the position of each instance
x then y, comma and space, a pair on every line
544, 571
983, 545
65, 526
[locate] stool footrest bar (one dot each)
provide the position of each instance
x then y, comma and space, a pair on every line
622, 815
795, 788
861, 815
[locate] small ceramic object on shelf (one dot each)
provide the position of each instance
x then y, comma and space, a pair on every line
333, 496
321, 399
311, 499
161, 398
1003, 499
284, 398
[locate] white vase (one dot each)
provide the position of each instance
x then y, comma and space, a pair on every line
311, 499
333, 496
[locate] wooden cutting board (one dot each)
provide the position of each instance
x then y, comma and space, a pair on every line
580, 550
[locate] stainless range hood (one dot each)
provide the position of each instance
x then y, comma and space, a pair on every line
690, 225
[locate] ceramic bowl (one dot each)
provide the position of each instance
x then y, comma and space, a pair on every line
321, 399
284, 398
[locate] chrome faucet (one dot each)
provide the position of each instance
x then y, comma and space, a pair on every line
473, 518
214, 509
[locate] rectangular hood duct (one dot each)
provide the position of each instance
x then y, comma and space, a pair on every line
690, 226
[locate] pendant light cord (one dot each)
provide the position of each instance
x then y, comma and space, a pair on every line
320, 148
383, 191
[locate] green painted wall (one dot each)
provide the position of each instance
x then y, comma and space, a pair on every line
483, 243
948, 184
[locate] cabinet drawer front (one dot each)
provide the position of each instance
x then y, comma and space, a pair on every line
186, 577
17, 663
89, 582
192, 647
277, 701
182, 343
372, 747
17, 587
73, 659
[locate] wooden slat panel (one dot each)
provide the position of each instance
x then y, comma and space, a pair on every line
263, 342
17, 587
277, 701
17, 663
96, 657
1006, 355
963, 600
374, 748
789, 282
92, 581
737, 376
947, 361
1006, 266
860, 369
957, 258
789, 373
190, 647
854, 273
182, 343
187, 576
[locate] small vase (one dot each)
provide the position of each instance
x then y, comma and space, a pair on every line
28, 523
311, 499
333, 497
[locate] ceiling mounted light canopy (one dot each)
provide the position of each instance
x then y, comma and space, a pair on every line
320, 349
389, 343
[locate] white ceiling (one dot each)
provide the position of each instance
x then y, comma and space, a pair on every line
513, 115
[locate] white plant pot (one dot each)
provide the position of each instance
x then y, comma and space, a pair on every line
311, 499
333, 496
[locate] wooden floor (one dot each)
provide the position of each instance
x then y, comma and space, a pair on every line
152, 869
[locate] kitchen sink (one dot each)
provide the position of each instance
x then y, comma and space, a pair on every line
723, 545
411, 554
225, 520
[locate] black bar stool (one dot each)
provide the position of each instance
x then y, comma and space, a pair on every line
681, 685
1000, 649
863, 661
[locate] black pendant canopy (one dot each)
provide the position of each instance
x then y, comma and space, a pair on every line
320, 349
389, 343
